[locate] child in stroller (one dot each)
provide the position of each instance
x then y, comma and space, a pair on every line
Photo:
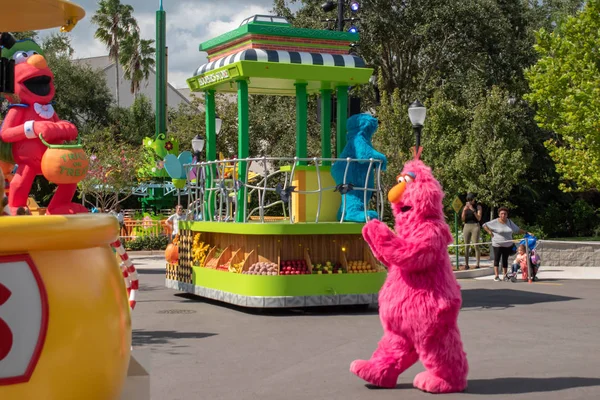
520, 264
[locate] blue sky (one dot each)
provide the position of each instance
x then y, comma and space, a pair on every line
189, 22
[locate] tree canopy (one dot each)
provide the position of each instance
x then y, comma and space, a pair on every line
565, 85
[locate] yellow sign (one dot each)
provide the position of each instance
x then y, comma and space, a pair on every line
457, 204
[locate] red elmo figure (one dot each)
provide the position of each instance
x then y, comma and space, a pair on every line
30, 115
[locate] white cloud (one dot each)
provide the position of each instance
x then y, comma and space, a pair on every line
188, 24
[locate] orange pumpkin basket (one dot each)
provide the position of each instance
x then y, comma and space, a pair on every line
64, 163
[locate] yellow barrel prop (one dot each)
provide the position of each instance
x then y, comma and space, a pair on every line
65, 327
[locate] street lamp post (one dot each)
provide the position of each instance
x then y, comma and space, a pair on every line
417, 113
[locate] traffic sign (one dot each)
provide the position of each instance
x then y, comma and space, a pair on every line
457, 204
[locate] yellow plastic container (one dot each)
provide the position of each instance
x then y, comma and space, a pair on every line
63, 299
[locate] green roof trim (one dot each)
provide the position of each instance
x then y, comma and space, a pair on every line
275, 228
279, 43
278, 30
278, 78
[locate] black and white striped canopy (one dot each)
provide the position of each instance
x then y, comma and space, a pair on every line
289, 57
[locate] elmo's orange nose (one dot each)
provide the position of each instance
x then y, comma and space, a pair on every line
37, 61
395, 194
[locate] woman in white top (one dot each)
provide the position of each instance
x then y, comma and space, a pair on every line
502, 229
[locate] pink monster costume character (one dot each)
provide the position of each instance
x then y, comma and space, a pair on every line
420, 299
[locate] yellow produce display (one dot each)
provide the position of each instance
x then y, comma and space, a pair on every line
359, 267
199, 250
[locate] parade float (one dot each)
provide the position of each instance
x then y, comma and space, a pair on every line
236, 250
65, 326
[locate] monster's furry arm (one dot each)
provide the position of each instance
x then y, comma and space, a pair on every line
419, 250
52, 131
365, 150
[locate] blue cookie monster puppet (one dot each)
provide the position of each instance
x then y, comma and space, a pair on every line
360, 128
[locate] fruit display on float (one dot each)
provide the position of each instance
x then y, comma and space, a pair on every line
262, 268
328, 268
294, 267
360, 267
199, 250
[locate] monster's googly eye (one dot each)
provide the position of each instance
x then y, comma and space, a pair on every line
31, 52
20, 57
400, 178
410, 176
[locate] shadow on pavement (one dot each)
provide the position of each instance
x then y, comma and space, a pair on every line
506, 298
143, 337
527, 385
515, 385
285, 312
150, 271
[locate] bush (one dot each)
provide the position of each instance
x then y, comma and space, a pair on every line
148, 243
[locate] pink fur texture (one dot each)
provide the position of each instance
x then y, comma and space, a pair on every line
420, 299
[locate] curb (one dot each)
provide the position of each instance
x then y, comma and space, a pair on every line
147, 253
474, 273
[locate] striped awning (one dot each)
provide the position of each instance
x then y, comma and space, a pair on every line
281, 56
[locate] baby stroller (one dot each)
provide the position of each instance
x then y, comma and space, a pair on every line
533, 261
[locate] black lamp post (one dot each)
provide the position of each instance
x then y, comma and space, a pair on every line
197, 146
417, 113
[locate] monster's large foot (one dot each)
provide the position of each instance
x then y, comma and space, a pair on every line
385, 377
430, 383
65, 209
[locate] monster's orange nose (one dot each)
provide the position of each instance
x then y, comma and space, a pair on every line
395, 194
37, 61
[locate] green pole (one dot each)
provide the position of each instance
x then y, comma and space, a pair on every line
211, 149
161, 71
456, 232
342, 116
301, 121
243, 144
326, 125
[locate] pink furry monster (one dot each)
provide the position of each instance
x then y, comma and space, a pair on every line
420, 299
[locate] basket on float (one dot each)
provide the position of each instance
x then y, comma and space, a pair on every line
64, 163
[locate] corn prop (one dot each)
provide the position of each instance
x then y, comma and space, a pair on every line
199, 250
129, 273
236, 268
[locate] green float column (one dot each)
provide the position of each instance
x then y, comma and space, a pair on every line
243, 145
211, 150
326, 125
342, 116
301, 121
161, 71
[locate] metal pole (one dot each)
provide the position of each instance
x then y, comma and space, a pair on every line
340, 18
456, 233
161, 71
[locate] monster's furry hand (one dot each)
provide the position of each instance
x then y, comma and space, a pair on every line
379, 237
56, 132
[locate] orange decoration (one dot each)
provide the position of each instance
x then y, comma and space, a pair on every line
64, 164
172, 253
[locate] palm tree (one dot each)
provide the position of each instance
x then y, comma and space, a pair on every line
115, 23
137, 58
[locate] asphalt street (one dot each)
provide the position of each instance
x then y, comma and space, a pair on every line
523, 341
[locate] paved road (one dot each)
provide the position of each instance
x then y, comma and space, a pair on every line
524, 341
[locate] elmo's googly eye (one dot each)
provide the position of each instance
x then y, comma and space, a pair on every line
20, 57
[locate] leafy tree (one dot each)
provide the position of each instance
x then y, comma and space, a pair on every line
564, 88
132, 125
112, 174
115, 23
